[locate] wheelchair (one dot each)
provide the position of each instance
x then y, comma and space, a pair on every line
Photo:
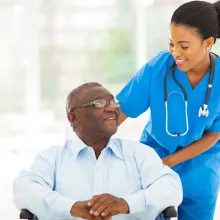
167, 214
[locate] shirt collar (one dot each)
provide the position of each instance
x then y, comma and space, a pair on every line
114, 145
78, 145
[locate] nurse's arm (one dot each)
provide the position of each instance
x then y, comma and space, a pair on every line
122, 117
192, 150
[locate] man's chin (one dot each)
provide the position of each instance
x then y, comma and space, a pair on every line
111, 131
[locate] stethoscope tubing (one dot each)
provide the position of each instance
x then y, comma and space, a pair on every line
209, 88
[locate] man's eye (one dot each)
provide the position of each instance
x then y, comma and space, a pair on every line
100, 102
184, 48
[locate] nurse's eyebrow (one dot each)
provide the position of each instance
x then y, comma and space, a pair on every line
182, 41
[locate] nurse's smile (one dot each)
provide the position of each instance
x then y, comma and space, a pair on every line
176, 85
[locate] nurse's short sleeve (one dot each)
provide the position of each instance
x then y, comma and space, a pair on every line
216, 125
134, 97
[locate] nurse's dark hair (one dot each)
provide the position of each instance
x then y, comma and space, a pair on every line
74, 95
203, 16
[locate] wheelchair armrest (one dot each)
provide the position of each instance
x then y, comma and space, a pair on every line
25, 214
169, 212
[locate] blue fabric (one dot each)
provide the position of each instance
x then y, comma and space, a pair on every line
146, 90
200, 180
160, 218
201, 175
201, 208
62, 175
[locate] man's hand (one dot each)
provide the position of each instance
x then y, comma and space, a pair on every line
80, 209
107, 205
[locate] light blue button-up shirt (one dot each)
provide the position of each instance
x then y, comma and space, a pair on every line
62, 175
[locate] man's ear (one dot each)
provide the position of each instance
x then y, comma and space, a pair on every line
73, 119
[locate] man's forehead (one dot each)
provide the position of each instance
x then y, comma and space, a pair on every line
94, 93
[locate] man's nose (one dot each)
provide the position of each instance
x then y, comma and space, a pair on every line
108, 108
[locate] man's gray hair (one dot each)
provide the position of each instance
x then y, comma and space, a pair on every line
74, 95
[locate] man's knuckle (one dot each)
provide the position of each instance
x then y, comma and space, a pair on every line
106, 195
104, 204
95, 206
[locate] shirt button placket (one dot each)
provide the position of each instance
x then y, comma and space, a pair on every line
97, 180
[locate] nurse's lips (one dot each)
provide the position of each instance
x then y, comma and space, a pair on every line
180, 61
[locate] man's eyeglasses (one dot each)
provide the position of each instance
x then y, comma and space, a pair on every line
100, 103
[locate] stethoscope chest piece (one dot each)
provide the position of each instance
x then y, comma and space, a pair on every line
203, 111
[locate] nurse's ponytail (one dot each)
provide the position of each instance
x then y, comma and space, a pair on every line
217, 8
203, 16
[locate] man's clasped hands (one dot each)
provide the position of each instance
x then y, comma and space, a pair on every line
100, 207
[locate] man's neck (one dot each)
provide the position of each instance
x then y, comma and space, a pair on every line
98, 144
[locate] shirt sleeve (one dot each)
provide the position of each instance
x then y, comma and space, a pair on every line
33, 190
216, 125
134, 97
161, 186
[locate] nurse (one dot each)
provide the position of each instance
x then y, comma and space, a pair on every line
182, 89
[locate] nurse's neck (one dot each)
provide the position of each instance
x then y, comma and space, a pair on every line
196, 74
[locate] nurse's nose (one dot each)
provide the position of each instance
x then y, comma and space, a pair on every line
176, 52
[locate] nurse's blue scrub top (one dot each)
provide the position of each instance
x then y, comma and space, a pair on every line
146, 90
201, 175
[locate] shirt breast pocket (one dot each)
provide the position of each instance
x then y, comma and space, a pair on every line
126, 188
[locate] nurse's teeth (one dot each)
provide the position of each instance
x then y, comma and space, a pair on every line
180, 61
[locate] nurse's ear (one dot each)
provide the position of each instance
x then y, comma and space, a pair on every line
209, 42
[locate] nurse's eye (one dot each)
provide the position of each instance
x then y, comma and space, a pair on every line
171, 45
184, 48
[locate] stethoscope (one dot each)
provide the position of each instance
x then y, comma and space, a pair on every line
203, 110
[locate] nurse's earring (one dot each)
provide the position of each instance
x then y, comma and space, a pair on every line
209, 48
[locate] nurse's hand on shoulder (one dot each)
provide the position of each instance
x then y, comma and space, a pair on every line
167, 162
107, 205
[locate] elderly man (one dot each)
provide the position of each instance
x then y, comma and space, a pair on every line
96, 177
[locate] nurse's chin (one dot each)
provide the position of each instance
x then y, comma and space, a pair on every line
183, 68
